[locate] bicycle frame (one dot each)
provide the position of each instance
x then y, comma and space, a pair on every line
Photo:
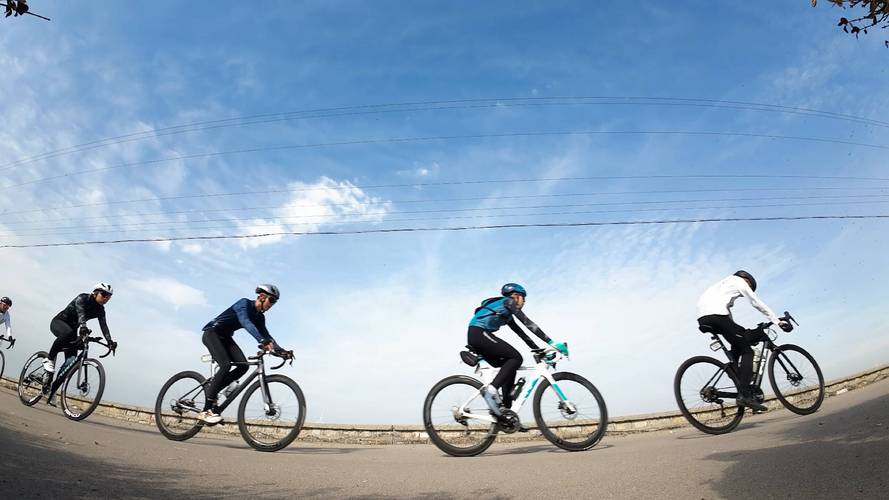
257, 361
75, 361
487, 373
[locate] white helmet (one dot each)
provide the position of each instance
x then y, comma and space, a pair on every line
269, 289
103, 287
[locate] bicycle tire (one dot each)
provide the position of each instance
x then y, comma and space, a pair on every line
31, 379
699, 416
559, 434
291, 431
450, 426
69, 401
2, 363
793, 375
176, 425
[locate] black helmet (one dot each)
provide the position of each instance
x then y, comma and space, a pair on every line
747, 276
269, 289
6, 300
511, 288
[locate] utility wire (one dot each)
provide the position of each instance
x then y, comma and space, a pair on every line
354, 220
395, 140
441, 229
432, 200
282, 219
432, 106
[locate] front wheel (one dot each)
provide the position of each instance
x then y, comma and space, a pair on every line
571, 413
272, 424
448, 416
177, 405
82, 389
796, 379
32, 379
2, 363
706, 392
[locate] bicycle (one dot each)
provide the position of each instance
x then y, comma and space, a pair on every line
2, 357
268, 422
81, 378
460, 423
706, 388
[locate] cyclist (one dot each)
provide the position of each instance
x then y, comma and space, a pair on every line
489, 317
714, 311
249, 315
70, 323
5, 304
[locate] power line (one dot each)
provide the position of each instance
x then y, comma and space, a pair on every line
355, 219
452, 183
434, 106
433, 200
281, 219
396, 140
441, 229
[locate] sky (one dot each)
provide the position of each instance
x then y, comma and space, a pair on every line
187, 119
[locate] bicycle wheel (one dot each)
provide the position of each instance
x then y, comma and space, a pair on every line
445, 416
82, 389
796, 379
2, 363
706, 393
572, 414
30, 386
177, 406
271, 427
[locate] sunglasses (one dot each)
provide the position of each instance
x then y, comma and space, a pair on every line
271, 299
104, 294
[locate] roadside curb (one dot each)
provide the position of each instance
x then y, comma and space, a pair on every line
416, 434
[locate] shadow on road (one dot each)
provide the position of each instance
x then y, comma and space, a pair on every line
839, 455
36, 468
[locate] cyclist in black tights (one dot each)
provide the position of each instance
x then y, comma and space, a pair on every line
249, 315
489, 317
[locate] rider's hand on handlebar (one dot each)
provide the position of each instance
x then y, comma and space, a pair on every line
112, 345
785, 325
267, 346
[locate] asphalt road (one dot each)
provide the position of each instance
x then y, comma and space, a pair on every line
840, 452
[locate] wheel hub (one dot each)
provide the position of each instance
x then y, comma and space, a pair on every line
568, 410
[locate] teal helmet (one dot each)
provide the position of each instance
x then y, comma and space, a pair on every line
511, 288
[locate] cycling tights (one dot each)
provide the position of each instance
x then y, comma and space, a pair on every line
498, 353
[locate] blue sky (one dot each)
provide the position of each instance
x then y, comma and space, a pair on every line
376, 319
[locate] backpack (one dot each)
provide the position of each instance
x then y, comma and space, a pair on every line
485, 304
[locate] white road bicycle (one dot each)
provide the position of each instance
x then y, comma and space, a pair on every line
568, 409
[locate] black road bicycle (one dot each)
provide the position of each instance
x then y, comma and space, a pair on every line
270, 416
706, 388
81, 378
2, 357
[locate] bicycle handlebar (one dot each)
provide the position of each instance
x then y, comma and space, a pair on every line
284, 355
787, 318
8, 339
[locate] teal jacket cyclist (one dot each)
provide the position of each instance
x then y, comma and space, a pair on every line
488, 318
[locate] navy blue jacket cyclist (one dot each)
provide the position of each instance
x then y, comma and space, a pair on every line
494, 313
249, 315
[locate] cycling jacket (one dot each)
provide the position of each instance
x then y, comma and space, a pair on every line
719, 299
242, 314
498, 312
82, 309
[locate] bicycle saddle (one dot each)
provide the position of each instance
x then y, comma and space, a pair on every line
706, 329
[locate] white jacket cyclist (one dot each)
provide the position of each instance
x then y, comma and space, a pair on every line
719, 299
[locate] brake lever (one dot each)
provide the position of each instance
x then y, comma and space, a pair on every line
790, 318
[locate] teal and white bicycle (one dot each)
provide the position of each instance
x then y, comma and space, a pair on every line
568, 409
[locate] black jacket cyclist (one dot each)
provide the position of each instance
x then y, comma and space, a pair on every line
494, 313
71, 321
249, 315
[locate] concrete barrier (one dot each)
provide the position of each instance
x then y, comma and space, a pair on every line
416, 434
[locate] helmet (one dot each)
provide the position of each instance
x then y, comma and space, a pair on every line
511, 288
103, 287
269, 289
6, 300
747, 276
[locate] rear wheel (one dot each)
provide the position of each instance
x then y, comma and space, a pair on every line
706, 392
274, 425
571, 414
82, 389
32, 378
447, 416
2, 363
796, 379
177, 406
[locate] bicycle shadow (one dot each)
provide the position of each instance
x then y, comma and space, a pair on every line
537, 448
